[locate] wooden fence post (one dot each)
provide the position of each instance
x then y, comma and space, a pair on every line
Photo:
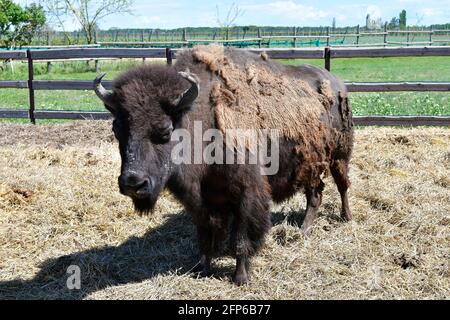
407, 36
150, 33
294, 44
357, 35
30, 87
49, 38
328, 36
184, 37
431, 35
169, 56
327, 57
49, 67
259, 37
385, 34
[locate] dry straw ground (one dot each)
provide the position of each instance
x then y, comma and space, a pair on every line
59, 206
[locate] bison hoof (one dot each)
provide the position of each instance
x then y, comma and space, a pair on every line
202, 271
240, 279
346, 216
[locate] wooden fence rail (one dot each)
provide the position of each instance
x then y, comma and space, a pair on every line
327, 54
351, 86
358, 120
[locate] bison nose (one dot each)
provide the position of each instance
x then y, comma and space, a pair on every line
135, 185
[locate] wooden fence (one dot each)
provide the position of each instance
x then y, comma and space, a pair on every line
258, 36
327, 54
295, 39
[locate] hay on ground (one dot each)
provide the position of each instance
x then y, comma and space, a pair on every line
59, 206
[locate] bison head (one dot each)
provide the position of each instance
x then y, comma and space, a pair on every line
147, 104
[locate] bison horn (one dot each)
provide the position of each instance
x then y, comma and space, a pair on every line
102, 93
189, 96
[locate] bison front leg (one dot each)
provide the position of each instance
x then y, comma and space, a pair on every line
313, 202
205, 243
251, 223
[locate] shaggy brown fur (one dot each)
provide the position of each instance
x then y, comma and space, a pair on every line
237, 90
252, 96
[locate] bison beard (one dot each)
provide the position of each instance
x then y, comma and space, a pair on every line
238, 90
144, 205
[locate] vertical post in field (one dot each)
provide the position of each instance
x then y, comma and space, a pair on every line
431, 35
150, 33
49, 38
30, 87
259, 37
407, 36
294, 43
169, 56
385, 34
357, 35
328, 36
184, 37
327, 57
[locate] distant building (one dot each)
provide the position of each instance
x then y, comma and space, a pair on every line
373, 23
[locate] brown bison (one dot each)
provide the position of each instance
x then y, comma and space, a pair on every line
228, 89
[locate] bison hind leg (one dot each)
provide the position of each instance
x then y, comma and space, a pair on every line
339, 171
313, 202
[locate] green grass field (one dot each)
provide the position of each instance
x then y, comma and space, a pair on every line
363, 69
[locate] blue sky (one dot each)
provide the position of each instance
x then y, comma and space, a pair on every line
181, 13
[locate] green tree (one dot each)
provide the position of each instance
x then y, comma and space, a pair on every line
19, 25
394, 23
402, 20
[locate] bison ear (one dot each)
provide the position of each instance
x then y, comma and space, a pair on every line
184, 102
106, 96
